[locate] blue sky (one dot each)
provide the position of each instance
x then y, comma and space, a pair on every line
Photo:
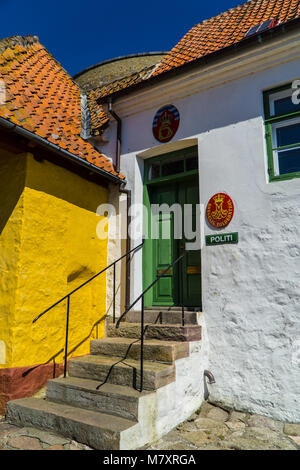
82, 33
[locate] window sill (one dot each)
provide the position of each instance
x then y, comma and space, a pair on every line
286, 177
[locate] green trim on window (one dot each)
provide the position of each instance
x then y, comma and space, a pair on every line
269, 150
283, 117
176, 177
287, 176
268, 121
286, 147
267, 94
171, 156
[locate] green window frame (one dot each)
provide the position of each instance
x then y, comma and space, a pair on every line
277, 123
154, 167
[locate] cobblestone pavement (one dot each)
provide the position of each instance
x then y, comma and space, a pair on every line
214, 428
210, 428
17, 438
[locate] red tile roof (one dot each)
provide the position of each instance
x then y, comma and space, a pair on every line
210, 36
226, 29
42, 98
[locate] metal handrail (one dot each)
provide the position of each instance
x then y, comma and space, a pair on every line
67, 296
141, 297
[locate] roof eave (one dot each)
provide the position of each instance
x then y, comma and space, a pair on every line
59, 151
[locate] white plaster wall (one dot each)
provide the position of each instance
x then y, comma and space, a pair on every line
251, 291
116, 226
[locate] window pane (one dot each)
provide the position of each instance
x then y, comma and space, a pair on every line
265, 25
252, 31
288, 135
172, 167
289, 161
285, 106
154, 171
191, 163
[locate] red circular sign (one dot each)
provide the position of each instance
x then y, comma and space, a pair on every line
165, 123
220, 210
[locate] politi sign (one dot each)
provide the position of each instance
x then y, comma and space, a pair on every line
222, 239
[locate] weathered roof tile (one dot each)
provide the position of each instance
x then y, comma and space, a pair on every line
226, 29
42, 98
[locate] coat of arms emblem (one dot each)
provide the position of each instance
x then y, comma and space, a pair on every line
219, 211
165, 123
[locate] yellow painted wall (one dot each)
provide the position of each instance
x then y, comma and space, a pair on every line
58, 249
12, 180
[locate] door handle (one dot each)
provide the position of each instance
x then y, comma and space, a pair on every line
181, 247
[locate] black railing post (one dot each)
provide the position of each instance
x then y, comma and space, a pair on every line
67, 297
114, 295
142, 347
67, 334
141, 298
181, 291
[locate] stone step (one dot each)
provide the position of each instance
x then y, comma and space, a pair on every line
161, 316
110, 370
175, 308
154, 349
165, 332
110, 399
97, 430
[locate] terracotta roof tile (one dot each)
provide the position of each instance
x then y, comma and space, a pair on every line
202, 39
42, 98
226, 29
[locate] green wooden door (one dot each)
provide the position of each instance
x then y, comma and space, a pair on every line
166, 246
163, 246
188, 194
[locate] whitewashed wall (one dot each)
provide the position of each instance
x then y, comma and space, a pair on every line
251, 291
